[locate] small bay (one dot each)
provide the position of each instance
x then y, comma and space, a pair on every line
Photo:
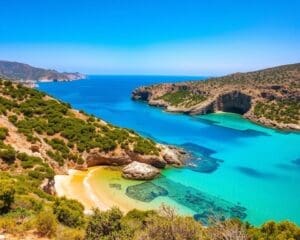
238, 169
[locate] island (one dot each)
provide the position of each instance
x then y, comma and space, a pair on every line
270, 97
29, 75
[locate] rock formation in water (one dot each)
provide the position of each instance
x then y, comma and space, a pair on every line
139, 171
270, 97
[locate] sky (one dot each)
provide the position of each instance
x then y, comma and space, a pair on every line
168, 37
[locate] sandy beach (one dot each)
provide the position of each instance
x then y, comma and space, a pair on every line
75, 186
103, 187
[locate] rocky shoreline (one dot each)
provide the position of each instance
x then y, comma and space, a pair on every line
135, 164
238, 93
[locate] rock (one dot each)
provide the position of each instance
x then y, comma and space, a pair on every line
96, 158
35, 148
139, 171
145, 192
48, 186
155, 161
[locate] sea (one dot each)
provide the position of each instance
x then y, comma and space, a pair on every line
237, 168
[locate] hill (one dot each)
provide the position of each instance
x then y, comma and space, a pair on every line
21, 71
270, 97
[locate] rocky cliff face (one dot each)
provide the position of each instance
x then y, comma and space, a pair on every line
168, 156
270, 97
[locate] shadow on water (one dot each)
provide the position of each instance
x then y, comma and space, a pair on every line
204, 205
200, 160
296, 162
233, 132
254, 173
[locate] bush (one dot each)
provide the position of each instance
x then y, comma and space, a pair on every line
69, 212
168, 226
3, 133
107, 225
277, 231
7, 195
145, 146
46, 224
64, 233
8, 154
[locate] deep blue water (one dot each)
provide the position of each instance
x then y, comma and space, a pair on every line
239, 169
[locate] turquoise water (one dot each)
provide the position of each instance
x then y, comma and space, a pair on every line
238, 168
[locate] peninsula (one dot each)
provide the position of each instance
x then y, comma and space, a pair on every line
21, 72
270, 97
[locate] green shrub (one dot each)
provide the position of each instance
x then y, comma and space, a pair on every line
8, 154
69, 212
145, 146
3, 133
275, 231
7, 195
107, 225
46, 224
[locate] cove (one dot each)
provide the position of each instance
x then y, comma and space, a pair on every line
238, 169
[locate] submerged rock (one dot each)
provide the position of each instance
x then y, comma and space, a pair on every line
145, 192
139, 171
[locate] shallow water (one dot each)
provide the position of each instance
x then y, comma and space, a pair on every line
239, 168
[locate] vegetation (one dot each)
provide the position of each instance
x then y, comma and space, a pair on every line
274, 91
285, 111
26, 208
183, 97
46, 224
69, 212
68, 133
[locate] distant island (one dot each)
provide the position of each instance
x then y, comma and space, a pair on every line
25, 73
270, 97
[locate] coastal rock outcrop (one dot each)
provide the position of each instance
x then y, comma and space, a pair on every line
270, 97
139, 171
96, 158
169, 155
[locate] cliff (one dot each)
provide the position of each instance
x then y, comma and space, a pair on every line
270, 97
20, 71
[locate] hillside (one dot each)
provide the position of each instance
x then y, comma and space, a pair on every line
21, 71
270, 97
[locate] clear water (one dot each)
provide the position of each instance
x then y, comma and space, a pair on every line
238, 169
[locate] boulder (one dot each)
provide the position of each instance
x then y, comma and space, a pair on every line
139, 171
